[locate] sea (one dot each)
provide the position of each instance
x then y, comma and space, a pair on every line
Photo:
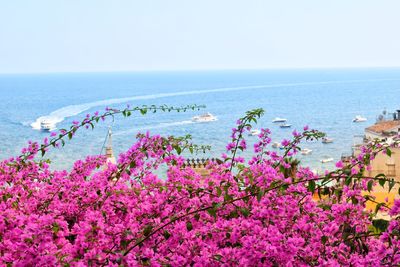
323, 99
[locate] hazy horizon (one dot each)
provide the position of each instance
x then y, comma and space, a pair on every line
64, 36
204, 70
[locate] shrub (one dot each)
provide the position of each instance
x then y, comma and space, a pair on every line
255, 213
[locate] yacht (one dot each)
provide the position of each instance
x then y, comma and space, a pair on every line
359, 118
327, 140
46, 125
326, 160
305, 151
285, 125
254, 132
206, 117
276, 145
277, 119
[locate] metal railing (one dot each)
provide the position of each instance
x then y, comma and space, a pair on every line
200, 163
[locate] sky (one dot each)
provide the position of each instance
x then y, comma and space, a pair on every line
152, 35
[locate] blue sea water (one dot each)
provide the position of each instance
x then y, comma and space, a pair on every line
326, 100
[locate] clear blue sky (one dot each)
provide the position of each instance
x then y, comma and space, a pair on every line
124, 35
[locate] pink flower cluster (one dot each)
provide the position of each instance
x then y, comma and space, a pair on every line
101, 214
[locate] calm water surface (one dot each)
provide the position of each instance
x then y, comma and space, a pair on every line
327, 100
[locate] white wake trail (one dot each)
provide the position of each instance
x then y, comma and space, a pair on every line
61, 114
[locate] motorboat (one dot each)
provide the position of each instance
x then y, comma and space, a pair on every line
206, 117
326, 160
327, 140
276, 145
359, 118
46, 125
285, 125
305, 151
254, 132
277, 119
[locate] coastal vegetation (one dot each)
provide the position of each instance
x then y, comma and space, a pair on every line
264, 211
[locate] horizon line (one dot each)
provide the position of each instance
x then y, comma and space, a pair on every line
199, 70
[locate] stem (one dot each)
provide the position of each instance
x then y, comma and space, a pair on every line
42, 147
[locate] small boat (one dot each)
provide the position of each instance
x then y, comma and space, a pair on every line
359, 118
326, 160
305, 151
285, 125
254, 132
46, 125
277, 119
327, 140
276, 145
206, 117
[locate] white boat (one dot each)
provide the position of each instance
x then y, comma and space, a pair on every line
359, 118
327, 140
46, 125
277, 119
285, 125
254, 132
206, 117
305, 151
326, 160
276, 145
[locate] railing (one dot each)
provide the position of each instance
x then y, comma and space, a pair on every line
200, 163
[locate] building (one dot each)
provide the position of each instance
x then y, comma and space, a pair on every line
388, 132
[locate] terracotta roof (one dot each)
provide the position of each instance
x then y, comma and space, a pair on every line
384, 126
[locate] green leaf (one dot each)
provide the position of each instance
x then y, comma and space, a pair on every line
227, 197
147, 230
189, 226
388, 152
324, 239
311, 186
219, 191
245, 212
55, 228
217, 257
260, 195
166, 234
391, 184
217, 205
354, 200
380, 175
380, 225
370, 183
124, 243
382, 182
212, 212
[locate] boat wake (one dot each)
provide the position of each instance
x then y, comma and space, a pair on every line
151, 127
61, 114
